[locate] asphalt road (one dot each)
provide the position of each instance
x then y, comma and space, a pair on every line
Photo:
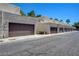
59, 45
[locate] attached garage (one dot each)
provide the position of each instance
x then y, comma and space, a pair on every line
19, 29
53, 30
60, 29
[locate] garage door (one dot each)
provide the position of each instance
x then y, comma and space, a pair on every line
17, 29
53, 29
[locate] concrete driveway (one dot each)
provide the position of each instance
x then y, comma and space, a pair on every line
66, 44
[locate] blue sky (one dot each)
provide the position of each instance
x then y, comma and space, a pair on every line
53, 10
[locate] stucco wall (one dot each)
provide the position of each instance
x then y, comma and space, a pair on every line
5, 24
41, 27
8, 17
9, 8
1, 24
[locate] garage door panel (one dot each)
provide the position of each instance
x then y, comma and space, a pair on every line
16, 29
20, 33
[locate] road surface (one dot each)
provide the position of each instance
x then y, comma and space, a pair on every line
59, 45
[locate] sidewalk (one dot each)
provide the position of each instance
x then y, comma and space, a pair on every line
29, 37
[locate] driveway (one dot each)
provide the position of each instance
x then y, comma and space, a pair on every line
66, 44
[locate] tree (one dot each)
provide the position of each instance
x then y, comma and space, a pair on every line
56, 19
51, 18
68, 21
76, 24
38, 15
31, 13
22, 13
61, 20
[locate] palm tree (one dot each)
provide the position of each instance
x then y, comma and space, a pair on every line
68, 21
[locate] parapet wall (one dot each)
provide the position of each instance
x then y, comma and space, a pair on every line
9, 8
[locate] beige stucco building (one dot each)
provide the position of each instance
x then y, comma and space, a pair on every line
12, 24
51, 26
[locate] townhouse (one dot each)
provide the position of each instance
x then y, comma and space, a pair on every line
13, 24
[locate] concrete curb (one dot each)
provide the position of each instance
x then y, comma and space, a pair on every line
30, 37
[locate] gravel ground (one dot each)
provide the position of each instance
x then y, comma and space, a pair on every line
59, 45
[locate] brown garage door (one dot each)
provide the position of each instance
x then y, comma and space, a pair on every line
53, 29
17, 29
